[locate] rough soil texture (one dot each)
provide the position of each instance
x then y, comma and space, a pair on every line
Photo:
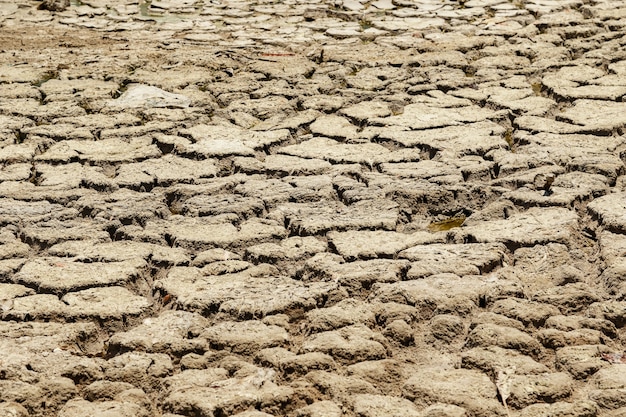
312, 208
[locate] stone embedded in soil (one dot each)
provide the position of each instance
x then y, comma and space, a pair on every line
466, 388
61, 275
350, 344
460, 259
174, 332
146, 96
254, 292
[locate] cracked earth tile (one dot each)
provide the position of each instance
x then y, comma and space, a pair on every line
48, 233
367, 244
535, 226
596, 116
420, 116
543, 124
103, 151
462, 259
342, 153
610, 211
246, 337
17, 153
284, 165
492, 359
80, 407
61, 275
486, 335
17, 212
212, 205
549, 388
320, 409
584, 408
565, 191
439, 294
73, 175
164, 171
320, 217
345, 313
143, 370
555, 339
242, 294
196, 233
350, 344
229, 396
293, 249
107, 303
90, 251
55, 89
469, 139
368, 405
124, 205
58, 132
581, 361
222, 140
334, 127
354, 276
466, 388
527, 311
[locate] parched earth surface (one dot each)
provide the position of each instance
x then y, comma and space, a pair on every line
313, 208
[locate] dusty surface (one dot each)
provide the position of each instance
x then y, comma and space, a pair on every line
312, 208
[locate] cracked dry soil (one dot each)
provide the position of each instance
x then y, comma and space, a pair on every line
312, 208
